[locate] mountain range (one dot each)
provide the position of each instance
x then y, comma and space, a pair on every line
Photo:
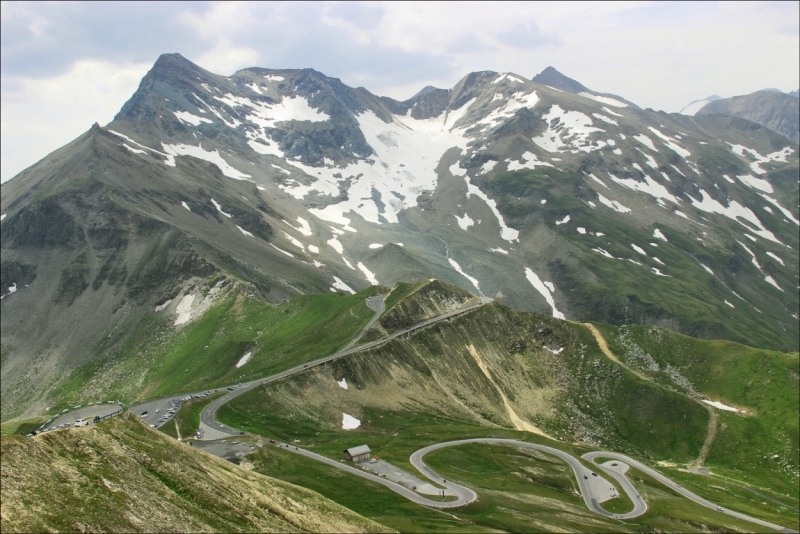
770, 108
541, 193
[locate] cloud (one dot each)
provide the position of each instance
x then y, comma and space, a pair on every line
527, 35
357, 14
225, 58
41, 115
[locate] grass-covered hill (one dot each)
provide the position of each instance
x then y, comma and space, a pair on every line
121, 476
500, 372
160, 359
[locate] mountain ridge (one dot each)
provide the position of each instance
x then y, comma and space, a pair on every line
290, 182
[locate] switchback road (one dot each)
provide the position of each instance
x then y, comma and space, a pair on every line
593, 488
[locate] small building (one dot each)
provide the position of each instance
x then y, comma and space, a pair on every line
358, 454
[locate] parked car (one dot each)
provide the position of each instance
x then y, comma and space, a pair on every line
82, 422
272, 441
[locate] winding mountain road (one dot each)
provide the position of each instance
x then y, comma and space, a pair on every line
593, 488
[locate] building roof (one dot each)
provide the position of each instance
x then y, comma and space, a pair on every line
355, 451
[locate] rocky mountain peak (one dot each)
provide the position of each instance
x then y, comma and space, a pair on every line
551, 77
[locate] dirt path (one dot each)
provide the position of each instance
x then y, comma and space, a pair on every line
713, 418
601, 342
711, 434
516, 420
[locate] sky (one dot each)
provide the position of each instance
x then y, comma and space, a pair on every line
67, 65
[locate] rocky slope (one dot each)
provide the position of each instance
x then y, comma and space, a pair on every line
774, 110
579, 205
121, 476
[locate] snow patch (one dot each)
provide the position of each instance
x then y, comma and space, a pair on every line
567, 131
671, 143
721, 406
545, 289
294, 242
369, 275
397, 179
460, 271
756, 183
336, 245
188, 118
313, 248
733, 211
339, 285
349, 422
768, 279
375, 245
638, 249
604, 100
605, 119
646, 141
465, 221
245, 232
498, 249
185, 205
509, 234
219, 208
786, 212
528, 160
604, 253
282, 251
342, 383
598, 180
659, 235
581, 230
650, 187
211, 157
776, 258
613, 204
243, 360
304, 228
565, 220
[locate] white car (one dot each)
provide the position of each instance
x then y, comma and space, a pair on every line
81, 422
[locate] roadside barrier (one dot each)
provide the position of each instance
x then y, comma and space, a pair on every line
67, 410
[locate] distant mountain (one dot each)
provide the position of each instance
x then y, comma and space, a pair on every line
288, 182
425, 90
695, 106
777, 111
795, 93
552, 78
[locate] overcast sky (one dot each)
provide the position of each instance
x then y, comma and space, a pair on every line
68, 65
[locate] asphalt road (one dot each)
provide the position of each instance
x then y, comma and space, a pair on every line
212, 429
592, 457
87, 412
594, 489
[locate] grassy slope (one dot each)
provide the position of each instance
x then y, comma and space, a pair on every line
620, 292
642, 418
122, 476
765, 383
160, 360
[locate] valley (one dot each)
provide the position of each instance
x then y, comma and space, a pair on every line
290, 428
565, 312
